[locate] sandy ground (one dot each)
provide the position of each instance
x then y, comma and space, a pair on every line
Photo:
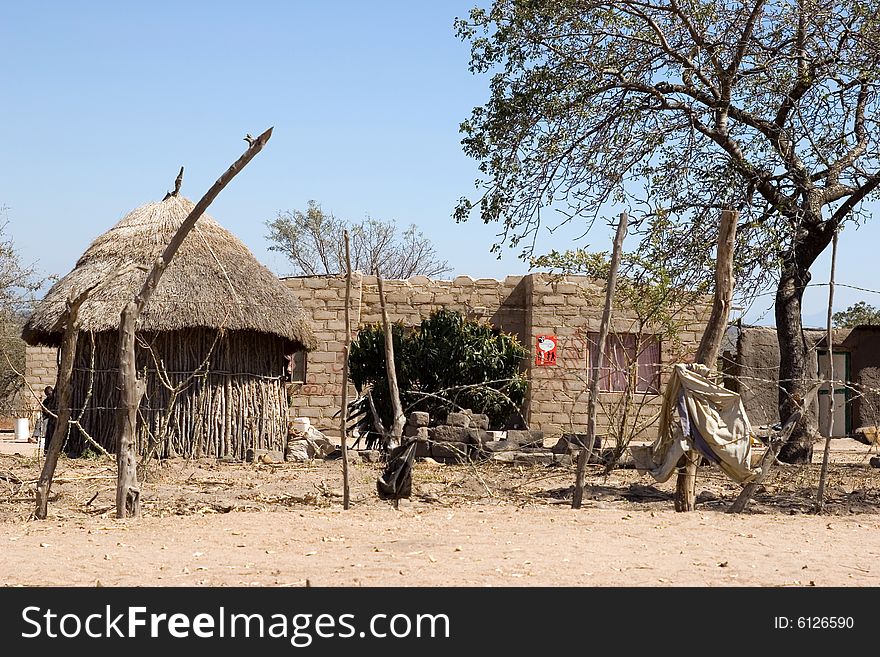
224, 524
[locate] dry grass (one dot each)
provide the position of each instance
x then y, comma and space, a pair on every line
86, 487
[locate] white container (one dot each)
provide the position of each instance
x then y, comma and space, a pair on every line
22, 429
301, 424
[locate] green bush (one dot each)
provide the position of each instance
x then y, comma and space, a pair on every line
447, 363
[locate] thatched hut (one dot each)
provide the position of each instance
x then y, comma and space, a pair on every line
213, 341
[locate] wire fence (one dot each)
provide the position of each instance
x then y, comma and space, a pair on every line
753, 386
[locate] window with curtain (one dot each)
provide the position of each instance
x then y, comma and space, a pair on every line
296, 366
629, 359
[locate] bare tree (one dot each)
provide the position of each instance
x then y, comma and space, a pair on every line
313, 241
18, 283
680, 109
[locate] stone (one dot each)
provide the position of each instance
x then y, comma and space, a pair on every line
252, 454
419, 433
320, 445
423, 450
478, 437
502, 457
370, 455
458, 420
525, 438
418, 419
451, 451
867, 435
479, 421
297, 450
563, 459
495, 446
533, 458
269, 457
306, 445
449, 434
571, 443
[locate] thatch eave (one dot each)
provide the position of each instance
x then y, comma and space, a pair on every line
213, 282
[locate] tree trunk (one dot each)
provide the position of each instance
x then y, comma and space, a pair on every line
62, 408
128, 494
685, 499
396, 407
793, 376
710, 345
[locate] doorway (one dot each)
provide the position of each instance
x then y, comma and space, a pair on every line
842, 425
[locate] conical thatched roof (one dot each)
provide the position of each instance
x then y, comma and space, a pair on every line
214, 281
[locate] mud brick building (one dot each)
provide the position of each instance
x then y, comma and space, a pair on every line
530, 307
751, 360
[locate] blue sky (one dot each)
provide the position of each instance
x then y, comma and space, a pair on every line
103, 102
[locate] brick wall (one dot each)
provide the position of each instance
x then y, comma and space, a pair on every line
570, 308
527, 306
503, 303
41, 370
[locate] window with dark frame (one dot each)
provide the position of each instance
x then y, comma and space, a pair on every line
296, 366
627, 356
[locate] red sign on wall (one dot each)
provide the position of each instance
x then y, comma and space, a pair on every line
545, 352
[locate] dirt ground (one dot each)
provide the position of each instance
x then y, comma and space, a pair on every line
209, 523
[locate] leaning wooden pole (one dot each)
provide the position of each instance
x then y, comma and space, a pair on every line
710, 346
343, 429
742, 501
829, 343
62, 394
132, 389
604, 327
396, 407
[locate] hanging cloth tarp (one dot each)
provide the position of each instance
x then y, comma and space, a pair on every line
396, 481
711, 419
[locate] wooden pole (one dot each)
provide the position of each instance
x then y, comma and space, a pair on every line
62, 395
610, 285
344, 413
710, 346
131, 388
823, 473
739, 505
396, 406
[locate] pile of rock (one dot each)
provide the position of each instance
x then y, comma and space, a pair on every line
305, 442
465, 435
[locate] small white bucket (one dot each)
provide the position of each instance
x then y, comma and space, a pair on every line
22, 429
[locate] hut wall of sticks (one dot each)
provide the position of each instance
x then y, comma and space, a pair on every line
213, 341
